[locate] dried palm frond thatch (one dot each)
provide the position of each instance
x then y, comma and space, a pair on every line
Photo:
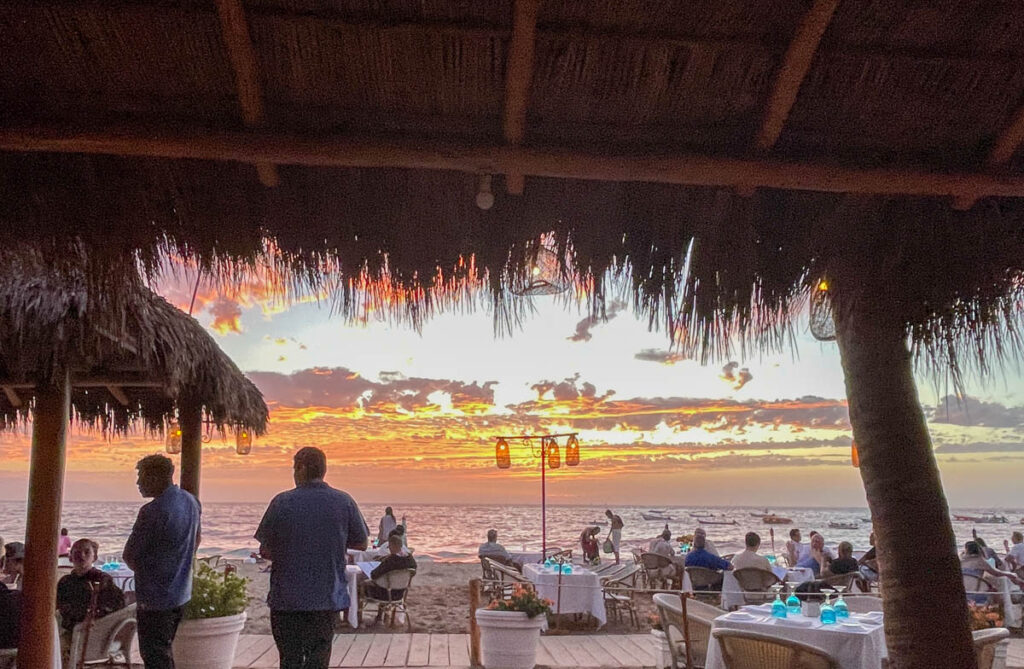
152, 354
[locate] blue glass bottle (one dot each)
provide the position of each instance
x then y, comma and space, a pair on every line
778, 607
828, 613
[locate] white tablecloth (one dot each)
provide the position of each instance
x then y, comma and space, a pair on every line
121, 576
580, 591
862, 648
1012, 612
366, 556
352, 581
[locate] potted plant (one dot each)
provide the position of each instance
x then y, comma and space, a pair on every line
661, 641
510, 629
208, 634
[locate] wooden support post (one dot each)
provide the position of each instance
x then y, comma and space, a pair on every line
190, 417
518, 75
45, 493
12, 396
118, 393
474, 631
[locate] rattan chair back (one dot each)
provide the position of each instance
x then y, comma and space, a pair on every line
985, 644
748, 650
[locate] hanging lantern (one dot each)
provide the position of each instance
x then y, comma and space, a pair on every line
545, 275
173, 443
243, 441
554, 457
502, 457
854, 455
823, 327
572, 451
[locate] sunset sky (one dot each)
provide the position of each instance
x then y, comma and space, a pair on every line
410, 417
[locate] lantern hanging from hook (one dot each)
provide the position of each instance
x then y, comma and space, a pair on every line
172, 443
553, 455
502, 457
243, 441
572, 451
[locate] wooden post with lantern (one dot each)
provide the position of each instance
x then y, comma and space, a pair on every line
190, 417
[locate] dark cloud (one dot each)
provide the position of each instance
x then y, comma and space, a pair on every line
568, 390
226, 316
735, 376
584, 326
657, 355
968, 411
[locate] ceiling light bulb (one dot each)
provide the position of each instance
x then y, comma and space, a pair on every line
484, 196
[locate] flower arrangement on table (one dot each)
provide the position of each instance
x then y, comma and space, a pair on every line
984, 616
524, 599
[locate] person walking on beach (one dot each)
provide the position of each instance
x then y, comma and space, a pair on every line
160, 550
615, 532
305, 533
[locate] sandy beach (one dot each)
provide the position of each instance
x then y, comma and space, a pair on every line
438, 602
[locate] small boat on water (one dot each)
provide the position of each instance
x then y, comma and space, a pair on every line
969, 519
772, 519
656, 516
842, 526
702, 515
865, 520
760, 514
597, 522
716, 522
991, 520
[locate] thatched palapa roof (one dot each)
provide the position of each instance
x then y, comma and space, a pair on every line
724, 154
128, 368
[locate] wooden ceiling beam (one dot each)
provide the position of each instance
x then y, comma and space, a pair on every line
235, 30
1006, 144
118, 394
518, 76
347, 151
796, 62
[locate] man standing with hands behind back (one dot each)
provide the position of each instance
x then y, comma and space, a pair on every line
305, 533
160, 551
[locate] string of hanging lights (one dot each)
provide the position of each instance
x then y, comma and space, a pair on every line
550, 457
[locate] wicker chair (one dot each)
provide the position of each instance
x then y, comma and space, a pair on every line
106, 640
748, 650
399, 579
658, 568
863, 603
212, 560
707, 583
845, 580
978, 588
985, 643
638, 560
696, 626
755, 584
620, 595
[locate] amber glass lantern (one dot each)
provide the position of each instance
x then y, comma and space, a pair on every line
173, 442
501, 455
572, 451
554, 457
243, 441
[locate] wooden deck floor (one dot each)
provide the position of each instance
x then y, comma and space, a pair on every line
452, 650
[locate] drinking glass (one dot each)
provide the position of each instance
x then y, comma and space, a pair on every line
566, 568
842, 610
793, 602
828, 612
778, 607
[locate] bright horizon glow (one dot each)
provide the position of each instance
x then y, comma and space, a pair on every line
410, 417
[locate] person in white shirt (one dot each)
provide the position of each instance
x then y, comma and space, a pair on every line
1015, 553
663, 546
805, 552
794, 547
748, 557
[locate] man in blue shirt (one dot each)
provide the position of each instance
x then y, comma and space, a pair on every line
700, 556
160, 551
305, 533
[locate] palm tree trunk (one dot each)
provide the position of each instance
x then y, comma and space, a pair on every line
926, 618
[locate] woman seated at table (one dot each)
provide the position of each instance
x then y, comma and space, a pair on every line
75, 591
589, 544
973, 563
816, 559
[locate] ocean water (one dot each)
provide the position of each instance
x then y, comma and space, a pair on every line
453, 532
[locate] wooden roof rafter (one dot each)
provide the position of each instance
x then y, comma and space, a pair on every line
518, 75
235, 30
1006, 144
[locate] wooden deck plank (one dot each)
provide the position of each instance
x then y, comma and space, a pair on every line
419, 650
439, 651
254, 650
378, 651
557, 651
342, 642
270, 659
458, 650
543, 656
577, 647
398, 650
614, 654
642, 647
357, 651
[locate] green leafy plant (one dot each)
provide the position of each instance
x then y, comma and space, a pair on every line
524, 599
216, 594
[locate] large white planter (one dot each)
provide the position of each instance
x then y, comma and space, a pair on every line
662, 649
508, 639
208, 643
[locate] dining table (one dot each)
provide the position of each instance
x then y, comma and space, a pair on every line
577, 592
857, 642
732, 593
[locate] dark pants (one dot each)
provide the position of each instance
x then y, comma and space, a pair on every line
303, 638
156, 632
